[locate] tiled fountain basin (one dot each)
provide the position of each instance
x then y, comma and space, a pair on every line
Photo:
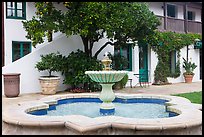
189, 120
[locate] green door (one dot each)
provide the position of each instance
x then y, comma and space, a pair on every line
143, 62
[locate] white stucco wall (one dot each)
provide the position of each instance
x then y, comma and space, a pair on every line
156, 7
152, 63
26, 66
97, 45
197, 13
193, 55
135, 67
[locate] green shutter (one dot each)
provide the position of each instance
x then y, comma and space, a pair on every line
172, 62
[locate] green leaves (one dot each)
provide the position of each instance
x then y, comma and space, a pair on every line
50, 62
47, 20
120, 21
75, 65
163, 43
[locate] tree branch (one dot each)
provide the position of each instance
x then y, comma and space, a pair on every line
96, 54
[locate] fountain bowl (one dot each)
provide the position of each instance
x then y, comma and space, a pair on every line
106, 76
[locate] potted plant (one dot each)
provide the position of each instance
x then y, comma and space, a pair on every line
189, 68
50, 63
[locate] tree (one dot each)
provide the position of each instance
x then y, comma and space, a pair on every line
117, 21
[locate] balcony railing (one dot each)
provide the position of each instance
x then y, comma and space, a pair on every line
194, 26
178, 25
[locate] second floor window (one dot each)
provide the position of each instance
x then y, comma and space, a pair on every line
191, 15
16, 10
171, 10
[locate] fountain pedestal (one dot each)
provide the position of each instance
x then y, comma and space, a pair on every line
107, 96
106, 78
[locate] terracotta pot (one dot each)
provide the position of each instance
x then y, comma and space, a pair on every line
49, 85
188, 78
11, 84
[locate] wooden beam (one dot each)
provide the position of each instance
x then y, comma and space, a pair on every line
165, 15
2, 32
186, 18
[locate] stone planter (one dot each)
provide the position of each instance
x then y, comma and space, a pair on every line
188, 78
11, 84
49, 85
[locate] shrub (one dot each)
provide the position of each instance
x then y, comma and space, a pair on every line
75, 65
50, 62
120, 84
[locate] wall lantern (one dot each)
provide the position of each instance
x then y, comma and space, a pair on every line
198, 44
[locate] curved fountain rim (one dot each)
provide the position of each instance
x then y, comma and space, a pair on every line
18, 115
105, 71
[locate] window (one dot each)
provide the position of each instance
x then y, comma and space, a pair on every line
20, 49
172, 62
127, 53
191, 15
171, 10
16, 10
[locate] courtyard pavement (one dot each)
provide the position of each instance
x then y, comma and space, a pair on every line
151, 89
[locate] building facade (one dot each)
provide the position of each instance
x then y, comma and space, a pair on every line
18, 55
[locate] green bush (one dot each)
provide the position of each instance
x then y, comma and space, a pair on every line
121, 84
74, 67
50, 62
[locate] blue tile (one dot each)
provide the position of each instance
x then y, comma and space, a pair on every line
38, 112
52, 107
106, 112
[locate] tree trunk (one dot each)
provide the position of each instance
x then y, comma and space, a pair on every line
91, 47
49, 35
49, 13
85, 42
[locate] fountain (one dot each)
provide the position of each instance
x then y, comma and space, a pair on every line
107, 77
78, 113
